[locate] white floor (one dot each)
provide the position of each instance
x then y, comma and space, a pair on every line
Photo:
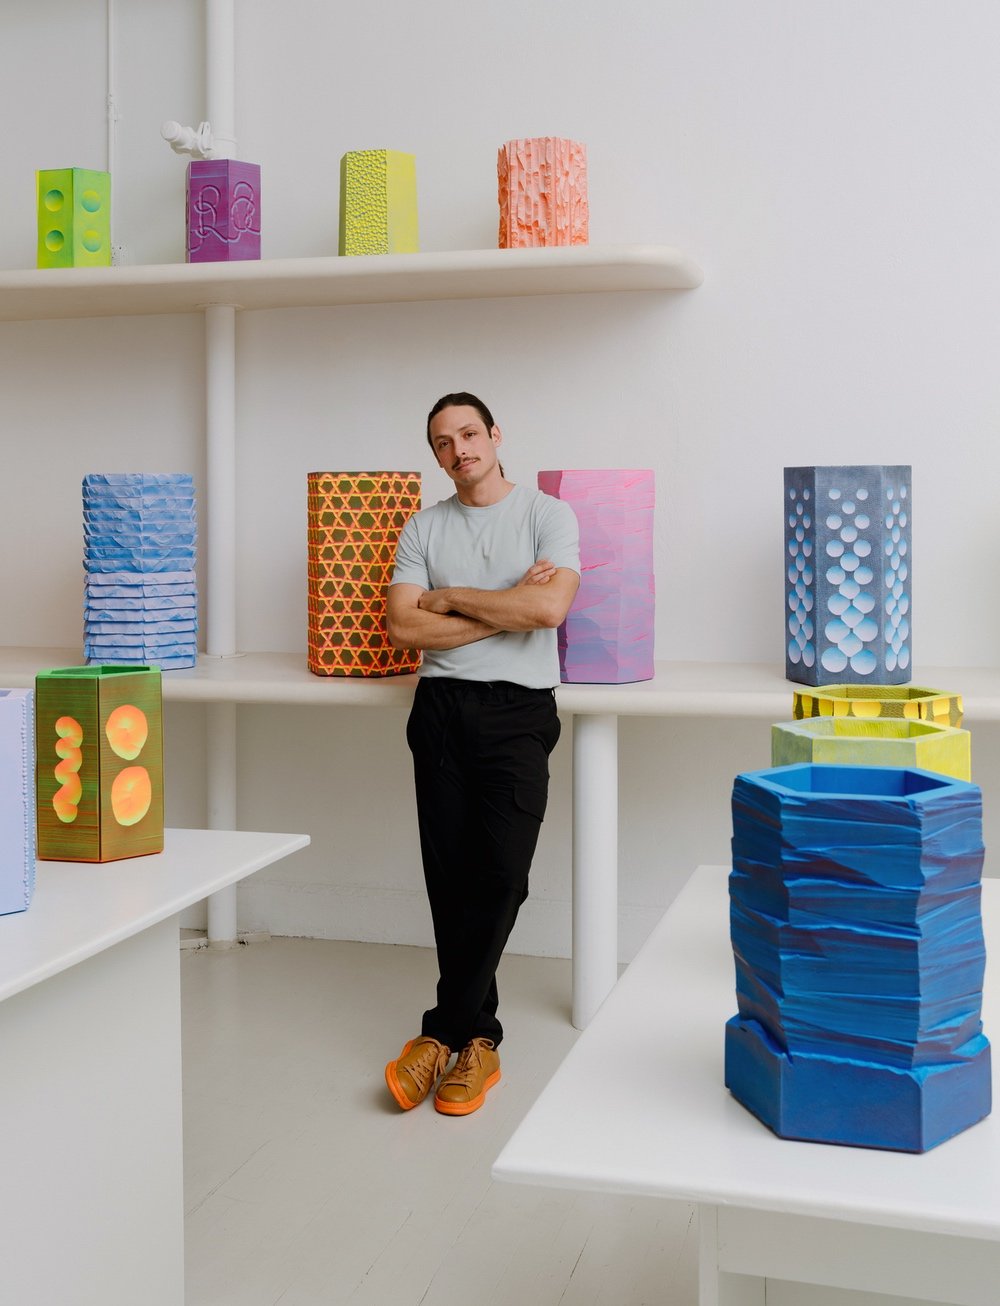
305, 1185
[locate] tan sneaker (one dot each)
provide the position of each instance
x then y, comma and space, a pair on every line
463, 1090
416, 1070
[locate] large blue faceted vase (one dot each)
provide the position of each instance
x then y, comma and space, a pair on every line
857, 936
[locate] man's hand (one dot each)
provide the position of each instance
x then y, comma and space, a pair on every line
539, 574
435, 601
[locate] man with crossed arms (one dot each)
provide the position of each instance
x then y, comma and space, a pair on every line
482, 581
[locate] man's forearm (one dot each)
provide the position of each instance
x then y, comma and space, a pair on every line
436, 631
525, 607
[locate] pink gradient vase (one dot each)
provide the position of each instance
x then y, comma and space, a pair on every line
607, 637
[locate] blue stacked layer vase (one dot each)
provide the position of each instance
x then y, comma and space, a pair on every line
140, 593
858, 942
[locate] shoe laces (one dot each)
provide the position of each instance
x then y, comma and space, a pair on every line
470, 1062
429, 1066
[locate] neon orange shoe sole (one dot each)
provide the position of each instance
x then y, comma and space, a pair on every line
466, 1108
393, 1084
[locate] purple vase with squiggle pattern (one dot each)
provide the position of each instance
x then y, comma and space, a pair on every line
223, 211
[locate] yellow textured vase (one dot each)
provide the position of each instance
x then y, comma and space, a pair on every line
378, 203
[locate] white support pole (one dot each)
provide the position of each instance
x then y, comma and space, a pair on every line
595, 863
220, 370
220, 758
220, 383
220, 48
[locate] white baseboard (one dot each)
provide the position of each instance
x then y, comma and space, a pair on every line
370, 915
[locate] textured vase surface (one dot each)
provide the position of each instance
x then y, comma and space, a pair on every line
140, 589
608, 634
74, 218
354, 523
858, 944
99, 763
878, 741
847, 574
17, 799
904, 702
542, 187
378, 203
223, 211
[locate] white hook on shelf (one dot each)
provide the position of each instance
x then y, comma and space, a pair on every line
196, 141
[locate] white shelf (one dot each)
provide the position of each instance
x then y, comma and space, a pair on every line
38, 294
755, 690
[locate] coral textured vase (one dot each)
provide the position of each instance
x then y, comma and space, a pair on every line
354, 523
17, 799
542, 188
607, 637
847, 577
99, 763
140, 592
858, 941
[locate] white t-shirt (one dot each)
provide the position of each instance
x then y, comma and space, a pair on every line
491, 549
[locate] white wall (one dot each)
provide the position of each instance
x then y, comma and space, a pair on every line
833, 168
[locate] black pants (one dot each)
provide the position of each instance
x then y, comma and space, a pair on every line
480, 761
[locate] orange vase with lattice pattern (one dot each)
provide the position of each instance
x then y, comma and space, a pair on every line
355, 519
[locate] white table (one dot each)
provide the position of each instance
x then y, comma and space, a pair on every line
91, 1204
639, 1106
